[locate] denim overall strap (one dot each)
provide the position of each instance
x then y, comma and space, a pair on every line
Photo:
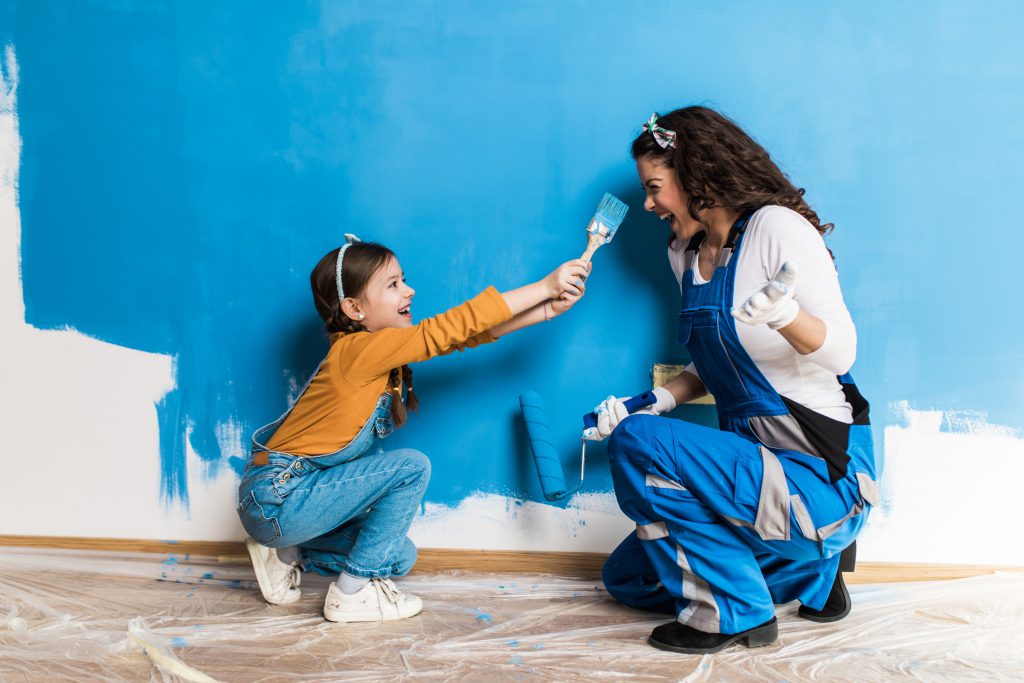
377, 426
267, 430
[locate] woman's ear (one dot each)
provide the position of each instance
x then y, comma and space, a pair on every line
350, 307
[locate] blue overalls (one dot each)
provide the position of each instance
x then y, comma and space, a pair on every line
346, 511
730, 522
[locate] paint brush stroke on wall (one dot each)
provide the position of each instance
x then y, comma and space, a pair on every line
185, 164
79, 415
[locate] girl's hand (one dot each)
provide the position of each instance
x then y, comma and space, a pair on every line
567, 278
566, 301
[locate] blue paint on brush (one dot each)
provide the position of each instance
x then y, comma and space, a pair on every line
610, 214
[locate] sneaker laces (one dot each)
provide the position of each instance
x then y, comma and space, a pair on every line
388, 589
294, 575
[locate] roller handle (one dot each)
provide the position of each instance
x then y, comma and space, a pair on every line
632, 405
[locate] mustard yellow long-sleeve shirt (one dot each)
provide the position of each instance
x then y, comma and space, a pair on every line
351, 379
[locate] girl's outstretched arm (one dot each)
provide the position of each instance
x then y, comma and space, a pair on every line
552, 308
559, 291
561, 280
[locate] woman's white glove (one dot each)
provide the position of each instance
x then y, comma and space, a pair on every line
773, 305
611, 411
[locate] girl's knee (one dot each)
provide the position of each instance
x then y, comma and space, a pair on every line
414, 460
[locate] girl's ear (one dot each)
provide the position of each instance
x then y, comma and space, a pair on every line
350, 307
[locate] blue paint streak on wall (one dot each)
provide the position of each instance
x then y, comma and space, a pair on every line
185, 165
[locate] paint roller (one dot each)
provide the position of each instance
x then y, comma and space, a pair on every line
610, 213
545, 455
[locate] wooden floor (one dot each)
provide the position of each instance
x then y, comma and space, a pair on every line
74, 615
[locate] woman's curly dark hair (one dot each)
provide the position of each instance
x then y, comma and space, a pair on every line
362, 260
717, 164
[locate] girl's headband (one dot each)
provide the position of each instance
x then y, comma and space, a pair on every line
664, 137
349, 241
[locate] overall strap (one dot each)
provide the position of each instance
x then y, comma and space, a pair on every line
730, 246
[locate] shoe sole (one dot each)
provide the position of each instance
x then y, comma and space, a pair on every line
835, 617
255, 552
340, 617
755, 637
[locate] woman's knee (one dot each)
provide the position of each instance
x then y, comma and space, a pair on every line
642, 434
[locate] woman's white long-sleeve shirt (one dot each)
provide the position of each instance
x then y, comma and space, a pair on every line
775, 235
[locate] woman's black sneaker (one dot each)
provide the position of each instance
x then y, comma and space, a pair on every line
677, 637
836, 607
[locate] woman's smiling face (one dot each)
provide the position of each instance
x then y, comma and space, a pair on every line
665, 198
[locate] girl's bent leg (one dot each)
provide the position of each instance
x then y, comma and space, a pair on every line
381, 547
357, 513
328, 554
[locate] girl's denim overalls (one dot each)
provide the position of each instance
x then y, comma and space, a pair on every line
346, 511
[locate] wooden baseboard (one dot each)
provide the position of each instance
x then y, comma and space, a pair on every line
493, 561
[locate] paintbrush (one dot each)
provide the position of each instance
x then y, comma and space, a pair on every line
607, 219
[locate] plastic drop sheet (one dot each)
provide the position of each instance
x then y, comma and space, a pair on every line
84, 616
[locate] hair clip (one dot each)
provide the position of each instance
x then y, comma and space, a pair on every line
663, 136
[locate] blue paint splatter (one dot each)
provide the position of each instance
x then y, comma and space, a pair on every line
512, 643
538, 646
481, 615
210, 575
178, 642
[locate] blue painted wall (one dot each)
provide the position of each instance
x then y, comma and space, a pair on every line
186, 163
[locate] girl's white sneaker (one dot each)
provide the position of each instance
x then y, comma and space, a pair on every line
278, 581
378, 600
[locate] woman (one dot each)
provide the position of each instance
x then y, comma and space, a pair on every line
733, 521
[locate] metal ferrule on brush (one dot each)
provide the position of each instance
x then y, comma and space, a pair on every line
596, 227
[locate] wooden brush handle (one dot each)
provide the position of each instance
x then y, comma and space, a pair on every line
593, 242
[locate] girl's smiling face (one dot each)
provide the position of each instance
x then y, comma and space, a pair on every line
386, 301
666, 198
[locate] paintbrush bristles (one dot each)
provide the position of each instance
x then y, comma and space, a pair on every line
607, 219
609, 216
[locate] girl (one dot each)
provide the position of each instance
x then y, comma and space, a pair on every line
731, 521
319, 492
